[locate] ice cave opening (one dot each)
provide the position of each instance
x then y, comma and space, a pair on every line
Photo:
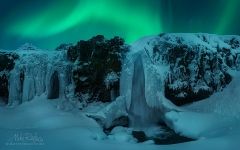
54, 86
21, 76
4, 89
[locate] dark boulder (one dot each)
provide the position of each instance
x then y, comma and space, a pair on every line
7, 60
140, 136
167, 136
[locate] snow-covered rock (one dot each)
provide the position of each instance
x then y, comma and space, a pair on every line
163, 71
182, 67
216, 116
38, 72
89, 70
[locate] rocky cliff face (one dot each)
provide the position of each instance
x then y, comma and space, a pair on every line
187, 67
28, 72
180, 67
91, 69
199, 69
96, 67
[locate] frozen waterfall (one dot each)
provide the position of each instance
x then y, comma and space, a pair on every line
135, 84
139, 111
39, 72
142, 86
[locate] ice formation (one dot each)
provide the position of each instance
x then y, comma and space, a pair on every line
141, 85
37, 72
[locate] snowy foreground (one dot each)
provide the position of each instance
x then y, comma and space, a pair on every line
38, 124
42, 112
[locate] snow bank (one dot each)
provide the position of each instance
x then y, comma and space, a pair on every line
216, 116
200, 125
226, 102
63, 130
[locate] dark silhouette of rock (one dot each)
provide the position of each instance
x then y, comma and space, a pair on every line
7, 62
93, 61
140, 136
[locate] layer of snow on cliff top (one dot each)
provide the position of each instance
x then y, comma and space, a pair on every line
210, 41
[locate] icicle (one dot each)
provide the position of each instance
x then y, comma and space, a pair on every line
14, 88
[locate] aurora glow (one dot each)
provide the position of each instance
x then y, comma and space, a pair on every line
108, 11
228, 16
47, 23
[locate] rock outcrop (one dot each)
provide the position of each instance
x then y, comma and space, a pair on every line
96, 67
184, 67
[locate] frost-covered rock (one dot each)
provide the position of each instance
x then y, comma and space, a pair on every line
91, 74
163, 71
39, 72
181, 67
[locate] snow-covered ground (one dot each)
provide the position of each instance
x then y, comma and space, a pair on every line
39, 124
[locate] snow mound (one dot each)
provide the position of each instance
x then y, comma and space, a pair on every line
216, 116
226, 102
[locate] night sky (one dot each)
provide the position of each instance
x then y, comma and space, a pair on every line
47, 23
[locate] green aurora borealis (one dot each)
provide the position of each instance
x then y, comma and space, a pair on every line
47, 23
